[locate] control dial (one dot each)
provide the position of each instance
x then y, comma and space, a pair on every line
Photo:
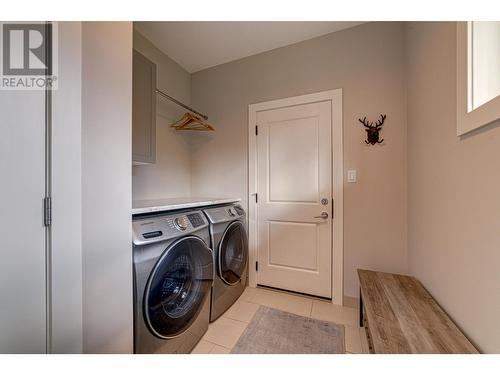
181, 223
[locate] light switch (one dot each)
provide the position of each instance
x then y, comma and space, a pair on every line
351, 175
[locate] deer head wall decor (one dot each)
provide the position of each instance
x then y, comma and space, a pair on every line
372, 130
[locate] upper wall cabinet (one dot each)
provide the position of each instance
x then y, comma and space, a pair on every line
478, 74
143, 110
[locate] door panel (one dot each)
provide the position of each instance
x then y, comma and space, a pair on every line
289, 240
294, 173
287, 164
143, 109
22, 268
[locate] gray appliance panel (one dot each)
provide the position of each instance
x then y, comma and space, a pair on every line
218, 215
146, 254
148, 230
224, 295
145, 257
147, 343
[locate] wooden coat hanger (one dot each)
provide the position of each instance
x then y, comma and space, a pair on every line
189, 121
192, 122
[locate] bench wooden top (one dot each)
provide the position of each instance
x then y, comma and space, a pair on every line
404, 318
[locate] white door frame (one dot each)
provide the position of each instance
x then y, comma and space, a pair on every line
335, 97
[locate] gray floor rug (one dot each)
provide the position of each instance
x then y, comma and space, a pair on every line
277, 332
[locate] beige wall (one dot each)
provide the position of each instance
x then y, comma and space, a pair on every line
106, 187
453, 191
368, 63
170, 176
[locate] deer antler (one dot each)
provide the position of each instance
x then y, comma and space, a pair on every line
380, 122
366, 123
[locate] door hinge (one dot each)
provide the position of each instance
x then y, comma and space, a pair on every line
256, 198
47, 211
256, 130
333, 208
256, 266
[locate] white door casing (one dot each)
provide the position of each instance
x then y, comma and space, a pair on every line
292, 167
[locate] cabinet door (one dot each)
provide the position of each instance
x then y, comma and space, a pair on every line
22, 189
143, 110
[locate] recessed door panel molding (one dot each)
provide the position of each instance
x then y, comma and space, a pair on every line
287, 242
293, 170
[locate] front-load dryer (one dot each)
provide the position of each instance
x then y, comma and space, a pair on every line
230, 249
173, 276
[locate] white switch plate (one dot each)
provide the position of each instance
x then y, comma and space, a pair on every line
351, 175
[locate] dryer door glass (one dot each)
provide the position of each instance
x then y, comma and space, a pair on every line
178, 286
233, 253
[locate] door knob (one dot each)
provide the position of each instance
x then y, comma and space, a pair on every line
324, 215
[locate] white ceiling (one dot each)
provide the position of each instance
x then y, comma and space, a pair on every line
200, 45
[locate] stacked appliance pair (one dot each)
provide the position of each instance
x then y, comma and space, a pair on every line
189, 267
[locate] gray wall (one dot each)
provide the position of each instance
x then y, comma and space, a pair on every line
170, 176
106, 187
453, 205
368, 63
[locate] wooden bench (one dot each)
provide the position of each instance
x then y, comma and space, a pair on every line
400, 316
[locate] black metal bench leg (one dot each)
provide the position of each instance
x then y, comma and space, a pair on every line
360, 309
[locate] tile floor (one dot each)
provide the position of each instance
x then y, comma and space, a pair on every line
223, 334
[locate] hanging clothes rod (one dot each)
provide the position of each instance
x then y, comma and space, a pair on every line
161, 93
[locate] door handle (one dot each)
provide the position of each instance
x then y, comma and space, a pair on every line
324, 215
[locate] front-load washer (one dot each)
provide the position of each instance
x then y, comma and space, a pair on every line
230, 249
173, 277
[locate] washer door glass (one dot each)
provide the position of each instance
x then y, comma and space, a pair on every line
178, 286
233, 253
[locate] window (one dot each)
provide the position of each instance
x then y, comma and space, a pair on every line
484, 60
478, 75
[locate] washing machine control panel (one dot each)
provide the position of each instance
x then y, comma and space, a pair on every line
225, 213
181, 223
197, 219
163, 227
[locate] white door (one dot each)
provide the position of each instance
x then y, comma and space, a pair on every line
22, 188
294, 187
